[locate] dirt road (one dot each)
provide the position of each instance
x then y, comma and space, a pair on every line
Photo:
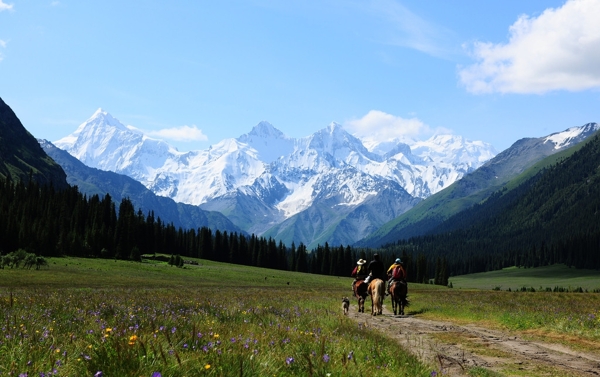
453, 349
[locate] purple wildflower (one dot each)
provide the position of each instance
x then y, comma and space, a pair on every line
326, 358
156, 374
289, 360
98, 374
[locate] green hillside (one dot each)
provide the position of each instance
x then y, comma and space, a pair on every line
507, 170
546, 218
21, 157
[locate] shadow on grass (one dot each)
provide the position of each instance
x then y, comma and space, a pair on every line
415, 312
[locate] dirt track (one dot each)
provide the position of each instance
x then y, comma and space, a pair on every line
453, 349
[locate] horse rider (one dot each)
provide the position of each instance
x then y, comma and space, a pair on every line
359, 272
375, 269
400, 275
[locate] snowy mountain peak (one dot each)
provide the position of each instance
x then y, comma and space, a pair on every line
266, 130
571, 135
269, 142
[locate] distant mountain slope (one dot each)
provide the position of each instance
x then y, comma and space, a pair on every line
21, 155
550, 217
92, 181
477, 186
264, 181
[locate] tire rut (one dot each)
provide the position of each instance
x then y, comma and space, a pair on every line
453, 349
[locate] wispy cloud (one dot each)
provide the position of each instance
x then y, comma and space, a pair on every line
3, 45
558, 50
4, 6
379, 126
402, 27
183, 133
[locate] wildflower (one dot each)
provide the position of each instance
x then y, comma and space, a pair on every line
207, 366
98, 374
350, 355
433, 373
289, 360
326, 358
156, 374
173, 330
132, 340
216, 336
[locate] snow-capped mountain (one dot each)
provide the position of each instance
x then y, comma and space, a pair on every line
324, 187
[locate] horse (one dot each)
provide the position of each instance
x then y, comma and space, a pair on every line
360, 292
399, 290
377, 291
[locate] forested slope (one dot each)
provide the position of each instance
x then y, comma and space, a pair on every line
553, 217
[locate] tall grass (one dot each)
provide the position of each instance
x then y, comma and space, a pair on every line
127, 319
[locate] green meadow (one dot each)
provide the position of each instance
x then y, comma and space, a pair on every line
92, 317
557, 275
95, 317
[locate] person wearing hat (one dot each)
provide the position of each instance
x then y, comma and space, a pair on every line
395, 272
359, 272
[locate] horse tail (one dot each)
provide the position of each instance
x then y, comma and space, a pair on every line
377, 295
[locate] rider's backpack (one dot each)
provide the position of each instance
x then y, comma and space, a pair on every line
398, 273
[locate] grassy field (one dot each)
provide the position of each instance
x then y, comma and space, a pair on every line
516, 278
86, 317
80, 317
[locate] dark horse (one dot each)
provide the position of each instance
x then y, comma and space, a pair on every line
399, 290
360, 292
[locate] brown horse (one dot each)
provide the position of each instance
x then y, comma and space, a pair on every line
360, 292
377, 291
399, 290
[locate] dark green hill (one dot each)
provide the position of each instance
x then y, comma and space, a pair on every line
524, 158
21, 157
550, 217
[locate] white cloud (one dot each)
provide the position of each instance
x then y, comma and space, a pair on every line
378, 126
558, 50
4, 6
183, 133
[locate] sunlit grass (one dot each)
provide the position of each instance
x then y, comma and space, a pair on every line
571, 318
95, 317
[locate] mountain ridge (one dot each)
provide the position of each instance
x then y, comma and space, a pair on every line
265, 172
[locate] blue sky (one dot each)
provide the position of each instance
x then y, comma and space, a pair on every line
196, 72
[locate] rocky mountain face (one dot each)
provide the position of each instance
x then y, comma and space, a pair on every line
21, 157
326, 187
